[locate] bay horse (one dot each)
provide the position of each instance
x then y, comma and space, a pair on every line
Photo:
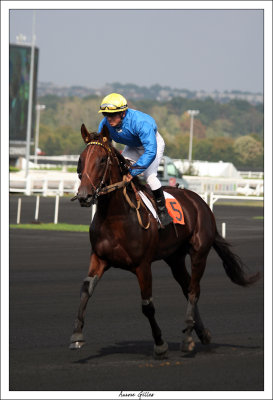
124, 234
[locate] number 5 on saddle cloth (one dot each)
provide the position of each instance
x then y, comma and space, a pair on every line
173, 206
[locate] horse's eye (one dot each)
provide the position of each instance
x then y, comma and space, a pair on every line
103, 159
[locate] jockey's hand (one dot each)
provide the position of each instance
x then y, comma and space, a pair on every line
128, 177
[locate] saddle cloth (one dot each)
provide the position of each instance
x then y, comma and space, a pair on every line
173, 207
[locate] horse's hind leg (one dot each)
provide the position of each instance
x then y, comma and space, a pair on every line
95, 272
144, 276
198, 264
202, 332
181, 275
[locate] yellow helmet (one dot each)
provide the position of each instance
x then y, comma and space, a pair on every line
113, 103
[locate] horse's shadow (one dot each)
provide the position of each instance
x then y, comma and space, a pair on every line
145, 348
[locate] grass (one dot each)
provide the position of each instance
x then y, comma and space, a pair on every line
63, 227
13, 169
71, 169
52, 227
240, 203
48, 169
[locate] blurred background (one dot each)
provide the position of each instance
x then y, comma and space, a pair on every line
199, 73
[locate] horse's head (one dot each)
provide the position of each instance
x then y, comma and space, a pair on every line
98, 162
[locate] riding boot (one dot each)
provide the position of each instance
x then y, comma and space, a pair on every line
163, 214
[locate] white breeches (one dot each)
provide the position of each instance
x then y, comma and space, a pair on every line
150, 174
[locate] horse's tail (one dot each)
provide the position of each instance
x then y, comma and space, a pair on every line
234, 267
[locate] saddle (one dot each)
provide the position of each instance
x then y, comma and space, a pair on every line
144, 197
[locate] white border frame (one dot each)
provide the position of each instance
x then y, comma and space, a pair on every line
267, 7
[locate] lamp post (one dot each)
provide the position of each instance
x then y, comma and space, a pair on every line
31, 76
192, 114
39, 108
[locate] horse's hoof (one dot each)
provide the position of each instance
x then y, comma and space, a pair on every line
76, 345
76, 341
205, 337
187, 345
160, 352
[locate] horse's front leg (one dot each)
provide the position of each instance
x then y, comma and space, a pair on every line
96, 270
144, 276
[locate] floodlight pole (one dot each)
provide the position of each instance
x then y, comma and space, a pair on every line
31, 79
192, 114
39, 108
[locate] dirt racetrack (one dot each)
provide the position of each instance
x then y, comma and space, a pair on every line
46, 271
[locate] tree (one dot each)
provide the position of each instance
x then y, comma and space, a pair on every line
219, 127
49, 142
63, 116
177, 147
202, 150
199, 128
217, 149
222, 149
249, 151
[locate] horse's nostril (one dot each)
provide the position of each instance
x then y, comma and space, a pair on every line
85, 201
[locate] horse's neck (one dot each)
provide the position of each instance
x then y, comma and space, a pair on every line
115, 175
113, 202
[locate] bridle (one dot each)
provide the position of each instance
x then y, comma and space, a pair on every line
100, 190
108, 163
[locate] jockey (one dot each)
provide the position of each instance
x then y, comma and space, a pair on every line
143, 144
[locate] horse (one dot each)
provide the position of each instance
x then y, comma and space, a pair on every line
124, 234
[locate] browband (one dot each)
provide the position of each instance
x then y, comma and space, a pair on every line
99, 144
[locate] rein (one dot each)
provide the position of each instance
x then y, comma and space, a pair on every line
137, 207
118, 185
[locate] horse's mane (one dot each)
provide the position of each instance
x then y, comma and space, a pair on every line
125, 165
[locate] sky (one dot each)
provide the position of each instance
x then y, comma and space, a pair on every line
197, 49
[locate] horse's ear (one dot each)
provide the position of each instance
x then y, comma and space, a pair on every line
85, 134
105, 134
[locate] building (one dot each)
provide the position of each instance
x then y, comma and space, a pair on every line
207, 168
19, 83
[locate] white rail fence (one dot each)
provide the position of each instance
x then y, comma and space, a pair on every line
64, 183
45, 186
226, 186
93, 209
208, 198
54, 186
214, 197
251, 174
